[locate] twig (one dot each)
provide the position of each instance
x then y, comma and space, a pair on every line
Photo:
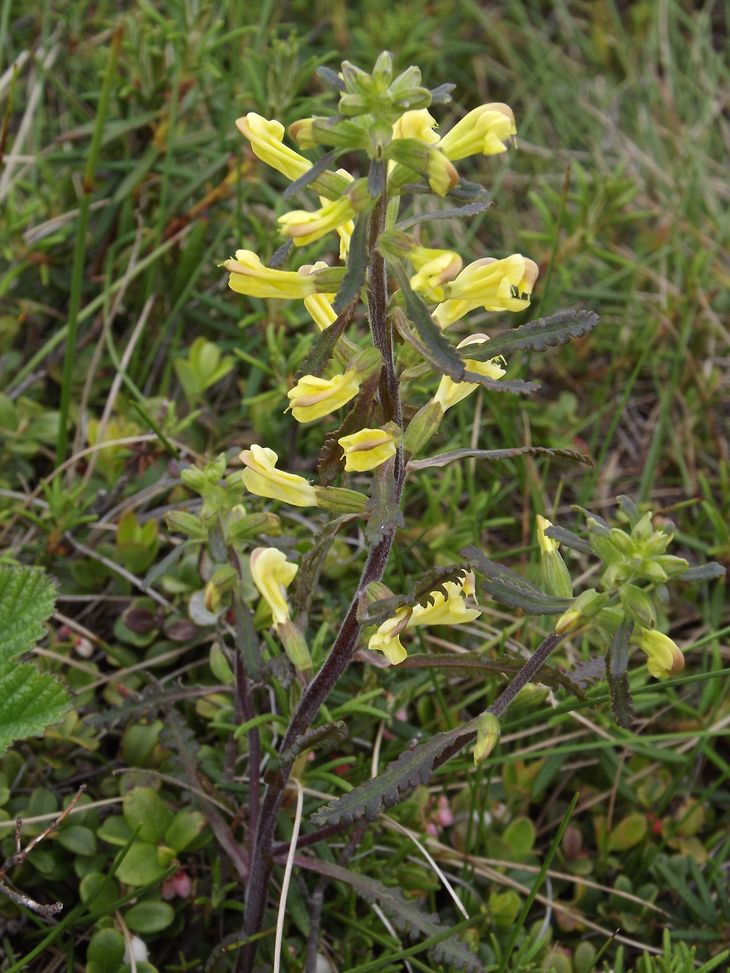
47, 911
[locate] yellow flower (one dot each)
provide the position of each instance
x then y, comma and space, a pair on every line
546, 544
450, 392
366, 449
387, 638
305, 227
434, 268
495, 285
664, 657
486, 129
266, 138
313, 397
272, 574
319, 305
442, 176
418, 124
263, 479
249, 276
445, 610
345, 231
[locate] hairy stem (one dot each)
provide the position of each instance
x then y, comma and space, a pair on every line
345, 643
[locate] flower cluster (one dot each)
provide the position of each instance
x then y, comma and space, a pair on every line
389, 119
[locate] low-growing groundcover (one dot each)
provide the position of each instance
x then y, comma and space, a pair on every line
602, 808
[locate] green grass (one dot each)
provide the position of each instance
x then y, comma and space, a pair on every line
617, 189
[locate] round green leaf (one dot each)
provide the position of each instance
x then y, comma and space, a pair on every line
628, 833
115, 831
184, 828
140, 865
149, 917
106, 950
77, 839
100, 892
520, 835
144, 809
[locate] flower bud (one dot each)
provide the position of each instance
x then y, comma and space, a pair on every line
586, 605
422, 427
638, 604
295, 646
532, 694
488, 733
554, 573
417, 125
340, 500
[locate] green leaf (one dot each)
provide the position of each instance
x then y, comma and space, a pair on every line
357, 264
324, 344
429, 340
323, 737
184, 829
106, 950
443, 459
305, 583
511, 589
617, 675
450, 213
568, 539
77, 839
330, 460
27, 598
145, 810
538, 335
628, 833
149, 917
101, 892
31, 701
405, 916
140, 866
412, 768
703, 572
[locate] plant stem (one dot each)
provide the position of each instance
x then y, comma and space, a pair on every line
345, 643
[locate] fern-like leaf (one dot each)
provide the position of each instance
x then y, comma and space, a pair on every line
406, 916
412, 768
557, 329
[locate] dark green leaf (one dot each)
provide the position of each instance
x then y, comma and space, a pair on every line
324, 344
512, 589
450, 213
703, 572
323, 738
443, 459
311, 174
412, 768
617, 675
357, 265
384, 513
538, 335
568, 539
305, 584
405, 915
429, 340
